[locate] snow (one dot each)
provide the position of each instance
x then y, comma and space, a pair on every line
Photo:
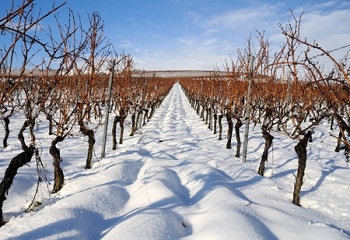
175, 180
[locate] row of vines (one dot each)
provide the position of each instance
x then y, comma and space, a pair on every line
289, 93
69, 87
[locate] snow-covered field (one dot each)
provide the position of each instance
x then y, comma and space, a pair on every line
176, 181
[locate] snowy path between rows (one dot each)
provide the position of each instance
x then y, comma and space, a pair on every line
175, 181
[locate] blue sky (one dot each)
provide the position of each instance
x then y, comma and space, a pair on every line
201, 34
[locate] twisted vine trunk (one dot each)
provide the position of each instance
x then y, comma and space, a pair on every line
58, 172
114, 132
220, 126
31, 129
91, 141
198, 108
207, 109
338, 147
50, 125
21, 137
268, 143
28, 123
210, 113
7, 131
138, 119
133, 124
10, 173
238, 125
300, 149
229, 130
202, 112
343, 129
121, 123
153, 107
145, 118
215, 122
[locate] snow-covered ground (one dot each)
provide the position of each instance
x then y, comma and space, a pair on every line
176, 181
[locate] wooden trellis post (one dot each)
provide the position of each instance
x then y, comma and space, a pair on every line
108, 104
247, 113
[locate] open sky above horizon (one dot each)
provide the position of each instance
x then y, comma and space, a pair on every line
202, 34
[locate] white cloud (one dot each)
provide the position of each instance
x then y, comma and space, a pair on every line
221, 35
233, 20
308, 7
253, 16
319, 26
